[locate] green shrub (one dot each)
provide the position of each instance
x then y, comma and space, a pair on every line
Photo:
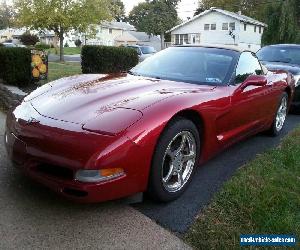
78, 43
15, 65
42, 46
105, 59
29, 39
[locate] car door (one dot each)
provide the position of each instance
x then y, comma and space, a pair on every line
250, 102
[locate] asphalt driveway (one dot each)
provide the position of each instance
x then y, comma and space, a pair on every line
32, 217
177, 216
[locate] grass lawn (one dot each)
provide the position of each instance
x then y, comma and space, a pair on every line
262, 198
58, 70
67, 51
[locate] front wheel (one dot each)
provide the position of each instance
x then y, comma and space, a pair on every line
174, 160
280, 116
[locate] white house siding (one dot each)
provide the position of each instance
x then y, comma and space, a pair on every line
244, 39
217, 36
250, 39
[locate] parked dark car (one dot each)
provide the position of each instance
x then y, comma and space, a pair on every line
284, 57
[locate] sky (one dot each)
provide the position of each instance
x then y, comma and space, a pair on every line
185, 9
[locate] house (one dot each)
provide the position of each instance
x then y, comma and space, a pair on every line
220, 27
11, 34
48, 37
140, 38
106, 33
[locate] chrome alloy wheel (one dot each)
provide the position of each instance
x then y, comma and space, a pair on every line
179, 161
281, 114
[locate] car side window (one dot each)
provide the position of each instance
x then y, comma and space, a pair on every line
248, 65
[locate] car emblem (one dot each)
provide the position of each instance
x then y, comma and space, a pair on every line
32, 121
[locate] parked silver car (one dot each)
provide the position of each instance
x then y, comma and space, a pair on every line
143, 51
9, 45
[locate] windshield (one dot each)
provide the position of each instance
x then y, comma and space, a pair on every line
148, 50
280, 54
190, 64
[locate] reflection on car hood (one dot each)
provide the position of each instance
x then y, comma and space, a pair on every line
293, 68
81, 98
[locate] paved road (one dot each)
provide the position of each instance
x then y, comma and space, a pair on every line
32, 217
72, 58
178, 215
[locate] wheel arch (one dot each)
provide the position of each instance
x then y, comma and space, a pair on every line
193, 116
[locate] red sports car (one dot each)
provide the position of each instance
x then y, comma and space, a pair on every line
94, 138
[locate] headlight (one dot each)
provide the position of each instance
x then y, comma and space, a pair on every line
92, 176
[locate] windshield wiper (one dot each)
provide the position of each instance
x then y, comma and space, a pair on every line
133, 73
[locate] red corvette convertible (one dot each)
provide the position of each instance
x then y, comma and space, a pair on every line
93, 138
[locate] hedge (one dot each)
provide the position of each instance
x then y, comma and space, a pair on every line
106, 59
15, 66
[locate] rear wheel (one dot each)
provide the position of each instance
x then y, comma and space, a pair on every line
280, 116
174, 160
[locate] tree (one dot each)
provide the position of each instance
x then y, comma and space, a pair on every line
200, 9
155, 17
29, 39
252, 8
78, 43
282, 23
118, 10
138, 15
61, 16
6, 16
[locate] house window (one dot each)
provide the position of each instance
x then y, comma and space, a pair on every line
259, 29
206, 26
184, 39
181, 39
254, 28
110, 31
232, 26
245, 27
177, 38
225, 26
213, 26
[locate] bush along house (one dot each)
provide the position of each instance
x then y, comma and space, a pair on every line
220, 27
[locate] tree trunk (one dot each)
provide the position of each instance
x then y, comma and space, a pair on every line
162, 37
61, 44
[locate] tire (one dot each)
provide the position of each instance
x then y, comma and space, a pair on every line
283, 111
176, 154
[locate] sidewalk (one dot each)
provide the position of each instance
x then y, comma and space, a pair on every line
31, 217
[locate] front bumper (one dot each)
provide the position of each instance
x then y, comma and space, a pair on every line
51, 152
75, 190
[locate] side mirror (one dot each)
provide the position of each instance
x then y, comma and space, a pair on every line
254, 80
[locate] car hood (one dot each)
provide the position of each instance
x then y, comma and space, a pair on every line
292, 68
81, 98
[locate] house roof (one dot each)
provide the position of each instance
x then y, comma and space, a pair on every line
117, 25
237, 16
140, 36
13, 32
135, 36
126, 37
46, 33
